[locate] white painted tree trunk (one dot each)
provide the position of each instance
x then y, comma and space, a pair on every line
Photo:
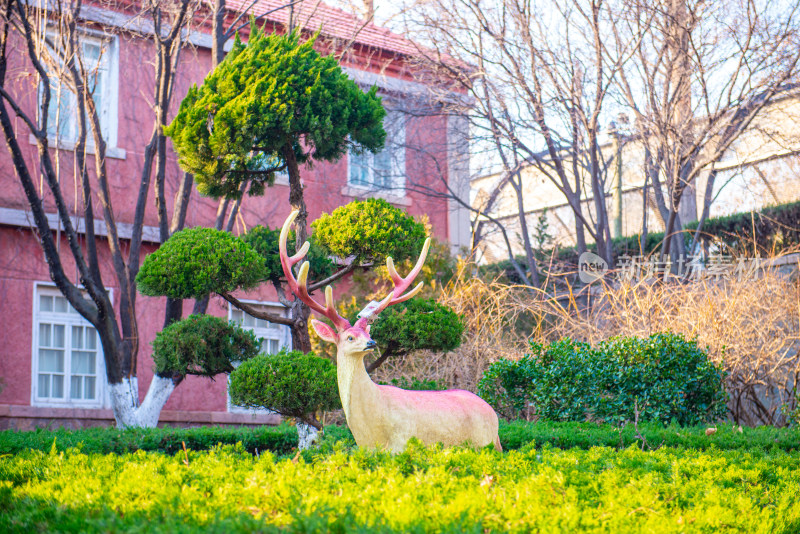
125, 402
307, 434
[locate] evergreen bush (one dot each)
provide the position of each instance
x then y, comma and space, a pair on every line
269, 100
198, 261
290, 383
664, 378
417, 324
202, 345
369, 231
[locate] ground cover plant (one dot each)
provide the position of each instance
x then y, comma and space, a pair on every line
226, 489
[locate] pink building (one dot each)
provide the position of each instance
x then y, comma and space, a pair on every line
51, 361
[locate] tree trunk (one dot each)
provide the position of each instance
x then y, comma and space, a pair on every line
300, 312
307, 435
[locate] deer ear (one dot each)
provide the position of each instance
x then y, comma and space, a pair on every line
368, 328
324, 331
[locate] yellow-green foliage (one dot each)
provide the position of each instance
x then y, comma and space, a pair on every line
420, 490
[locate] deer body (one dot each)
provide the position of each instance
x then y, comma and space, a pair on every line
386, 416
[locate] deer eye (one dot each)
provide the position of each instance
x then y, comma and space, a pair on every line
350, 338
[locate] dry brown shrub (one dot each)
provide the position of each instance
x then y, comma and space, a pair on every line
490, 334
752, 325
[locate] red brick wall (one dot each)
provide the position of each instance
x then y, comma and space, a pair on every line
22, 263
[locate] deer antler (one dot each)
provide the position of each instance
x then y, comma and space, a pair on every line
400, 284
299, 285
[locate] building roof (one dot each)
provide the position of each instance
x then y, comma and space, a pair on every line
333, 22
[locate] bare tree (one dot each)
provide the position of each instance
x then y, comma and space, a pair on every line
49, 38
540, 78
702, 73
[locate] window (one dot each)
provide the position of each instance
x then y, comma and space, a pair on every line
68, 365
274, 337
385, 170
99, 57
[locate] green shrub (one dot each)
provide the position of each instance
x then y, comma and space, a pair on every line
202, 345
369, 231
291, 383
198, 261
664, 377
418, 324
771, 229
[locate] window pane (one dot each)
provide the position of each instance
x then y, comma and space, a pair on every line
274, 346
91, 338
44, 385
383, 169
89, 387
236, 315
51, 361
249, 320
359, 168
261, 323
44, 335
60, 305
83, 362
58, 386
77, 337
75, 387
58, 335
45, 303
60, 111
91, 54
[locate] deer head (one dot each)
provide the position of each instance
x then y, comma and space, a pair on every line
350, 340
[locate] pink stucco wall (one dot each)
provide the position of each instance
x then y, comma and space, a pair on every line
21, 259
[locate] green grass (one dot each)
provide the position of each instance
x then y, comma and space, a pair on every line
227, 489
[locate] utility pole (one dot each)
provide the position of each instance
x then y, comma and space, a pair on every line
616, 194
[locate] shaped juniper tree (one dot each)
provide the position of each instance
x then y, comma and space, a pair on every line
272, 105
290, 383
417, 324
199, 261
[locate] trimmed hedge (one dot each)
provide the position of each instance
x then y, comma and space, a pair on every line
777, 228
282, 439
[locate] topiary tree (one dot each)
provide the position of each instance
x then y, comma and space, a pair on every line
368, 231
196, 262
271, 105
292, 384
199, 261
415, 325
202, 345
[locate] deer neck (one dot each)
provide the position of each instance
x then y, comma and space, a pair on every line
352, 378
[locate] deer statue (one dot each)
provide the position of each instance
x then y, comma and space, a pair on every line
386, 416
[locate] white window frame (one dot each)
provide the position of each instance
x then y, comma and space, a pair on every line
282, 334
109, 109
395, 149
69, 320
